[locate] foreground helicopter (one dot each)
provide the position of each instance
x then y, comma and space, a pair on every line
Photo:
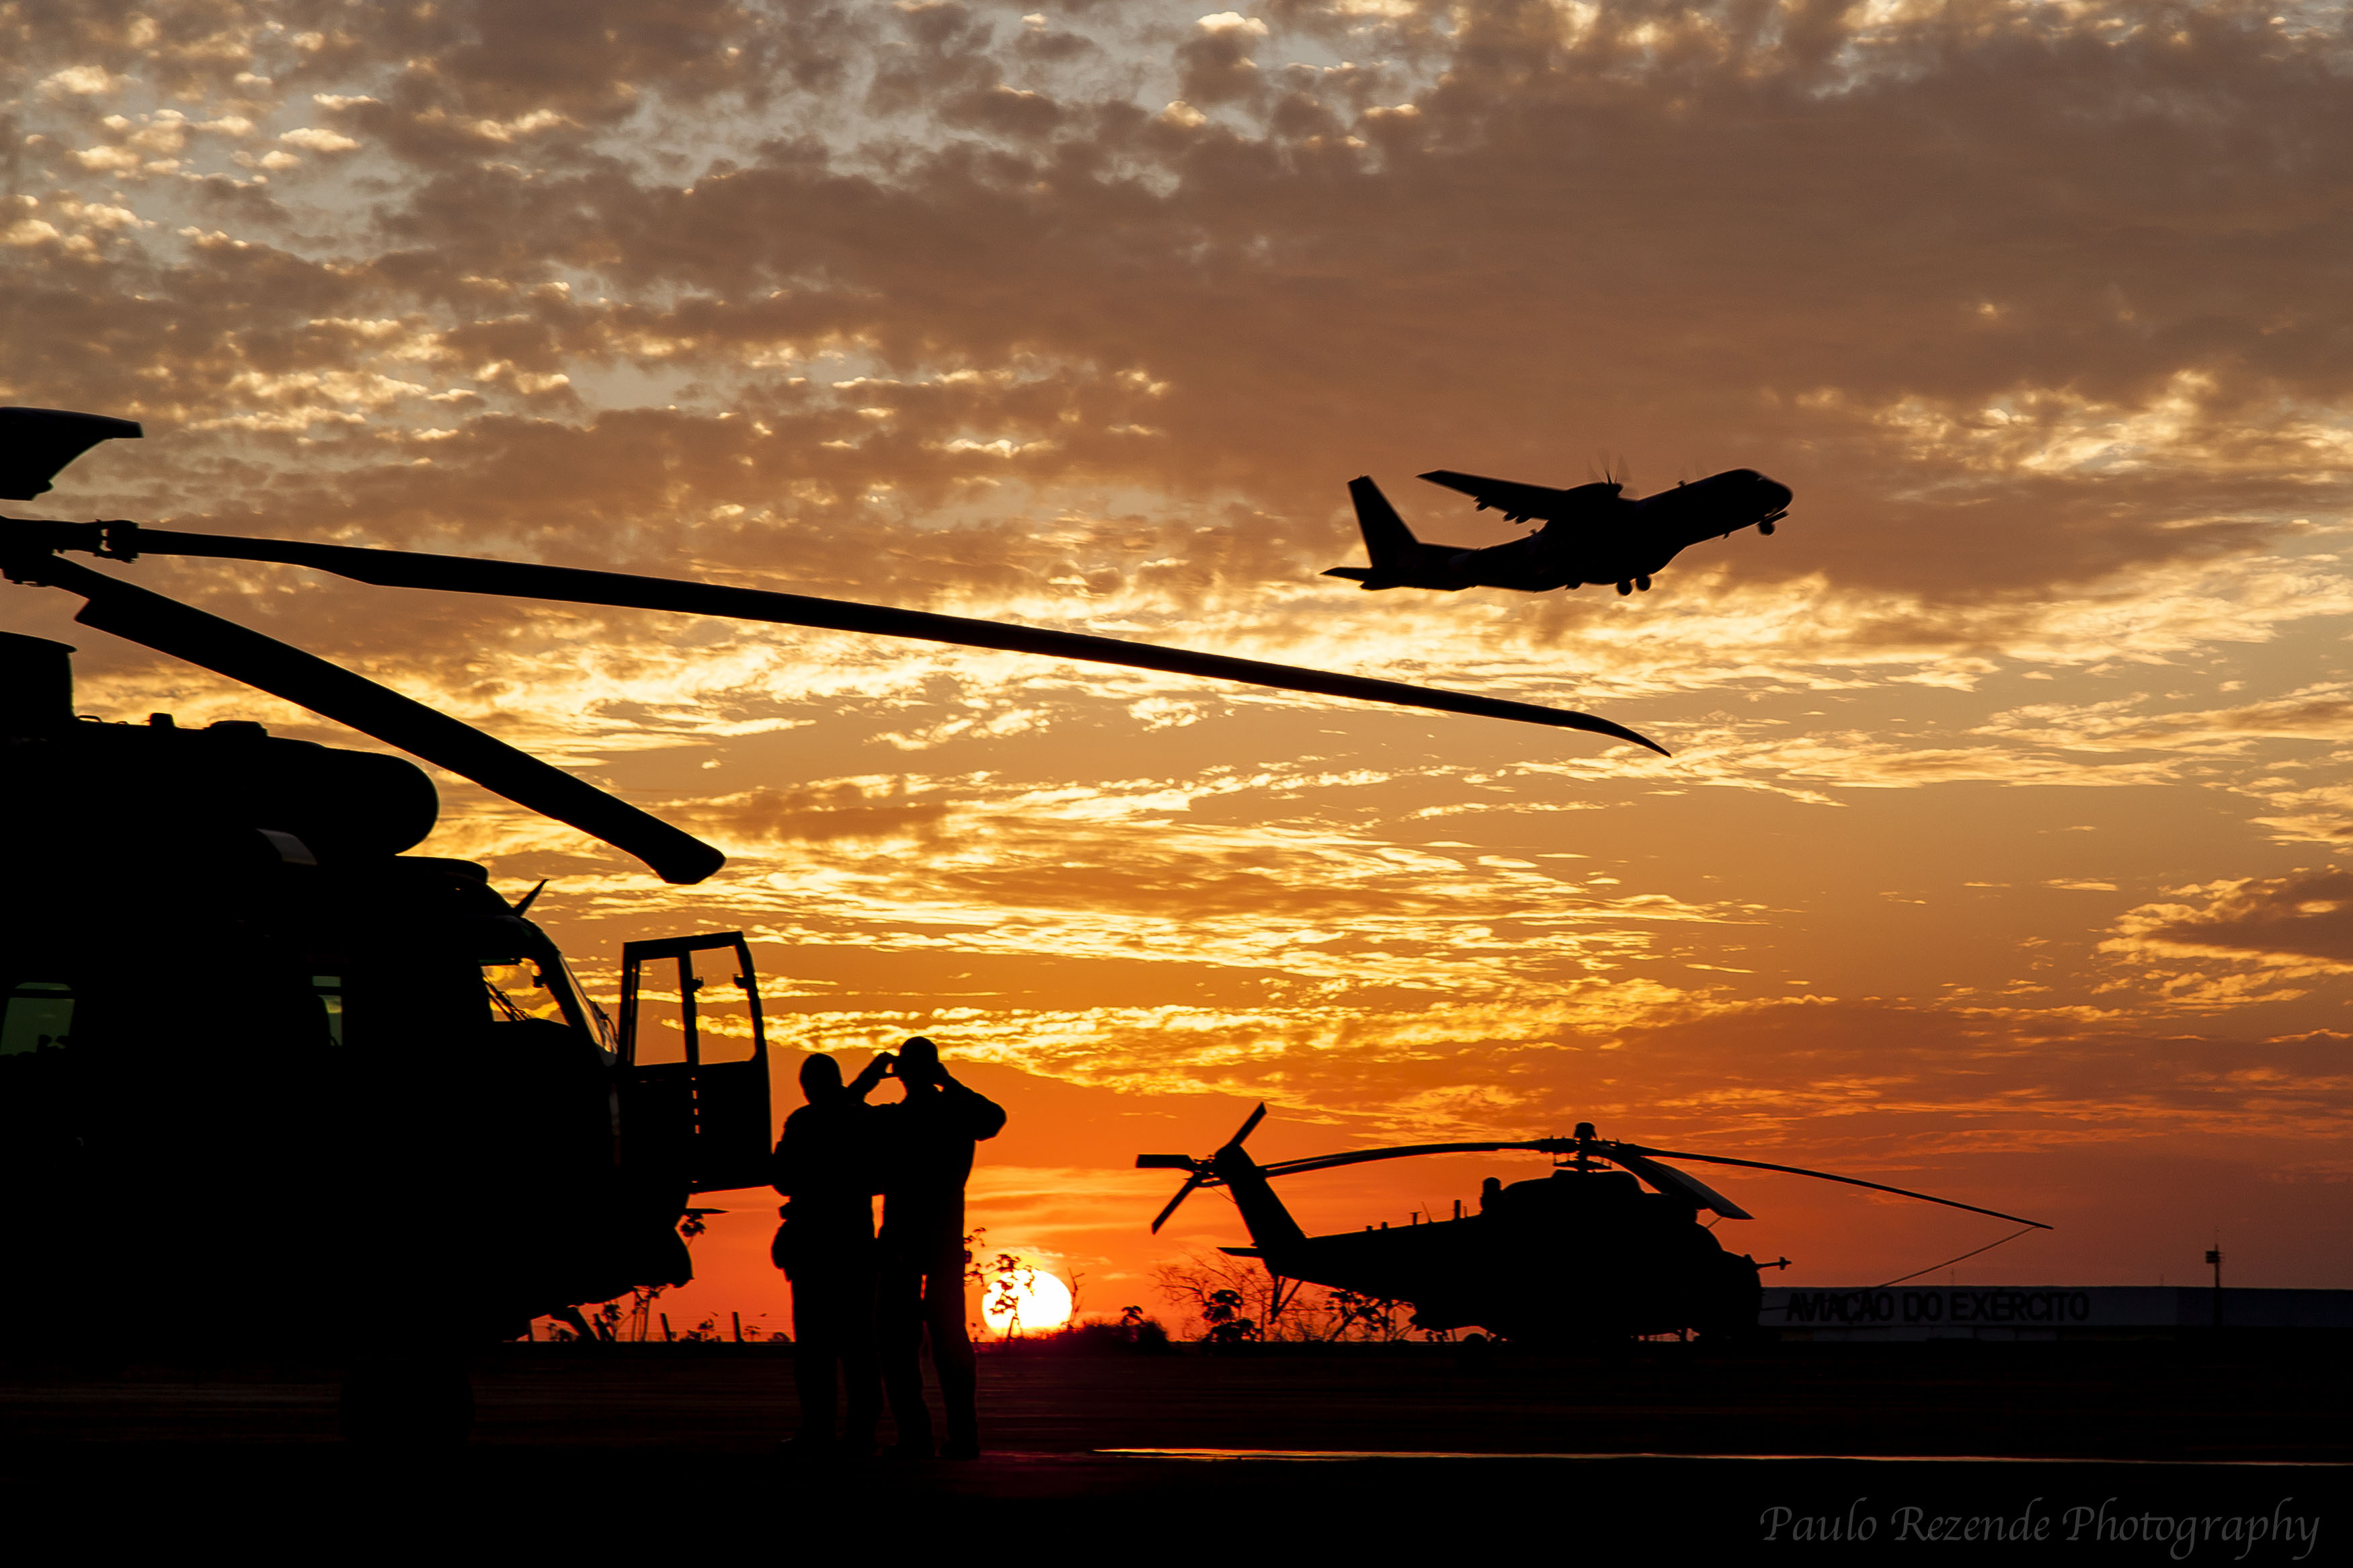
1591, 533
1584, 1254
268, 1080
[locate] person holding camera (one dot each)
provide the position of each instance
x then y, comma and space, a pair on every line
828, 1165
927, 1143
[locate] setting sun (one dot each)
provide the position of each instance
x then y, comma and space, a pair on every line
1040, 1300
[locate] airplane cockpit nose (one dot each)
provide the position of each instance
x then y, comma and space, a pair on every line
1774, 493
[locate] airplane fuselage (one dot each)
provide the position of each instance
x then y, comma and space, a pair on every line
1592, 534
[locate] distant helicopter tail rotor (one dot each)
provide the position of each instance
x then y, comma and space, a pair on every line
1204, 1171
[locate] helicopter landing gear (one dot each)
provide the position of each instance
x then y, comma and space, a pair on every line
412, 1402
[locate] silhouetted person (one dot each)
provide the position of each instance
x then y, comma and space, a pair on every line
827, 1167
1489, 1190
928, 1141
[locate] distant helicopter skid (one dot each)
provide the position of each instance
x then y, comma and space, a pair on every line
1591, 533
1581, 1255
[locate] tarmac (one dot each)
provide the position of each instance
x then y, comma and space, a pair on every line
2223, 1449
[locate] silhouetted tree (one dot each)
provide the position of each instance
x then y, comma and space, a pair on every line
1006, 1283
1221, 1291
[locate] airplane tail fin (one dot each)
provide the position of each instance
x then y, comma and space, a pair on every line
1389, 542
1386, 538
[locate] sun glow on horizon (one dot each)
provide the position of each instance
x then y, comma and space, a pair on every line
1027, 1295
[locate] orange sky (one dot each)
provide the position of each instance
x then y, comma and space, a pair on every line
1998, 854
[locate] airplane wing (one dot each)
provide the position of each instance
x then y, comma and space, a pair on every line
1516, 500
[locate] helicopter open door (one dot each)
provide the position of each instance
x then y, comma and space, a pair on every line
683, 1113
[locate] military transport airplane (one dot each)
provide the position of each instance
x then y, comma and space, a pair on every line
1591, 533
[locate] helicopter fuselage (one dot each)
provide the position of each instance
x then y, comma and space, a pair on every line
1579, 1254
266, 1079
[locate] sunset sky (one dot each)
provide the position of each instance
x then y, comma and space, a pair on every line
1998, 854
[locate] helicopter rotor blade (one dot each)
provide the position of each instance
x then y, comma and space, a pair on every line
1612, 1150
1248, 1127
465, 575
1406, 1151
1667, 1179
206, 640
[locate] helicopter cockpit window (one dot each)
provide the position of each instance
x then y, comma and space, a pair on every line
599, 1024
38, 1017
518, 991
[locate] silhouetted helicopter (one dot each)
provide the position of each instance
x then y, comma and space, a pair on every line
267, 1080
1591, 533
1583, 1254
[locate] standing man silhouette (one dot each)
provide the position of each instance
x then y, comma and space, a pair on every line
927, 1141
826, 1165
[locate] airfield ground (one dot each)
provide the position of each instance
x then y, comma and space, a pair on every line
1196, 1458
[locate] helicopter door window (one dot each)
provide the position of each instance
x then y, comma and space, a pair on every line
691, 1007
723, 1022
517, 992
38, 1017
662, 1019
329, 989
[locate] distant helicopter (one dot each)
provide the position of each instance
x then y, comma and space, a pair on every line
1582, 1255
1591, 533
267, 1081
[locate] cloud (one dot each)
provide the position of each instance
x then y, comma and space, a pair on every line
2278, 921
844, 810
1264, 257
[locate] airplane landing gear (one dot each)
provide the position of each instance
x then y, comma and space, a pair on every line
1624, 589
1765, 527
1644, 583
